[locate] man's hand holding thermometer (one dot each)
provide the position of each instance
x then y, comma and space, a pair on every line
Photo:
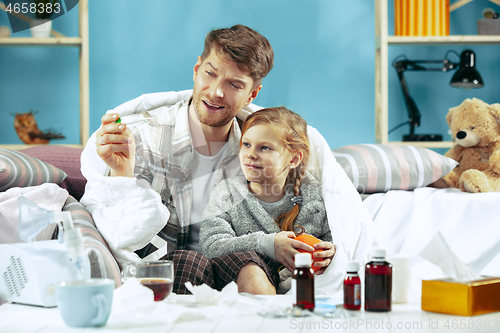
116, 146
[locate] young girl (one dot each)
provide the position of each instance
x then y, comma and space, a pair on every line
264, 210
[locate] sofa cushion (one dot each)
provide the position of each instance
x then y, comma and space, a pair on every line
18, 169
66, 159
376, 168
102, 262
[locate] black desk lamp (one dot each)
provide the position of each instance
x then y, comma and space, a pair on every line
466, 77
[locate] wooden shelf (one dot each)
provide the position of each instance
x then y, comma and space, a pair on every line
444, 40
382, 43
44, 42
426, 144
59, 40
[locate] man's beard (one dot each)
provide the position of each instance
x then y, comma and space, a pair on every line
218, 120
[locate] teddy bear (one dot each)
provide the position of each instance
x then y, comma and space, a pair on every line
475, 128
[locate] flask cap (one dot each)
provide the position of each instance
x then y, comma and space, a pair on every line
378, 253
303, 260
352, 266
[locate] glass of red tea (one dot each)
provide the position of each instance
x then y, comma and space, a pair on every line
156, 275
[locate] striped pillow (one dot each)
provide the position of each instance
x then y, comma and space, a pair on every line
102, 262
376, 168
21, 170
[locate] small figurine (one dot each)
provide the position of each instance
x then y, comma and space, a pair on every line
27, 129
489, 13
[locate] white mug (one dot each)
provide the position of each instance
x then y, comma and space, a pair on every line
401, 276
85, 303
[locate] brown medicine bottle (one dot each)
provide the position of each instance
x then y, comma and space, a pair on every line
352, 287
303, 281
378, 282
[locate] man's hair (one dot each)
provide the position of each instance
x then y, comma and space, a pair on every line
246, 47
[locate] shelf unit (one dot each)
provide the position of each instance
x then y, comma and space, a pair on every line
81, 42
382, 43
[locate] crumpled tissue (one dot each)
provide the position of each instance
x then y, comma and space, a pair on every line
134, 305
208, 296
439, 253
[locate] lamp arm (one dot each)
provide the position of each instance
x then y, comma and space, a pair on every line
417, 65
402, 65
423, 65
413, 113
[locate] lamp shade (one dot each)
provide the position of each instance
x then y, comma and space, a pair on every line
467, 77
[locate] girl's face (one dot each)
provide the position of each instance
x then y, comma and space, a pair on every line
264, 158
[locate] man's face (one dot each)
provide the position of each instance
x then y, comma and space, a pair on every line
221, 89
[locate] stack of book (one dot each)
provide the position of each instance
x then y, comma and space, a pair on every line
422, 17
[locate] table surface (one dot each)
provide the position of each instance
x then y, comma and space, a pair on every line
241, 315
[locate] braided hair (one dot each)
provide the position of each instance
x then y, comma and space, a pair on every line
295, 139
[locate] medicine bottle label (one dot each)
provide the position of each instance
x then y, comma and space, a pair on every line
357, 294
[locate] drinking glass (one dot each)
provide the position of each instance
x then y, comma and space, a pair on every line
156, 275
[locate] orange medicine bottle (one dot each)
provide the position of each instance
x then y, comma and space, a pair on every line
303, 281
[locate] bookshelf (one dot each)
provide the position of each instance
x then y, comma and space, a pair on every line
382, 43
82, 43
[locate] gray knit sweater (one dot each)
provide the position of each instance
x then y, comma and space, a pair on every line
235, 220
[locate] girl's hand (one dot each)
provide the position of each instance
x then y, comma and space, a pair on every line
285, 248
328, 253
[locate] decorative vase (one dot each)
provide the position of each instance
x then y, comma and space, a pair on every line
40, 28
4, 31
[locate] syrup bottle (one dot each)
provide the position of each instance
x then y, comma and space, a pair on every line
303, 281
352, 287
378, 282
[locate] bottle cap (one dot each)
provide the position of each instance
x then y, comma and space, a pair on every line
303, 260
352, 266
378, 253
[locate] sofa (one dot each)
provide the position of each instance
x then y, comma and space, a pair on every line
392, 180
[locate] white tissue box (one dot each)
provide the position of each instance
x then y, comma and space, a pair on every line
468, 298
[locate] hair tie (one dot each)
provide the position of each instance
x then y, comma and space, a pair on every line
297, 200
